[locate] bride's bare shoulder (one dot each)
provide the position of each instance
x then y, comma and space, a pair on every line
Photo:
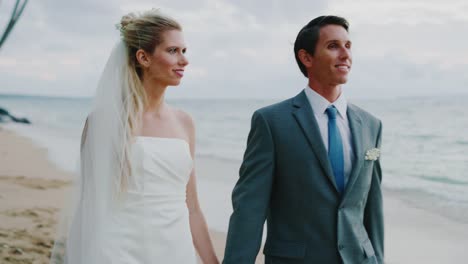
186, 121
184, 118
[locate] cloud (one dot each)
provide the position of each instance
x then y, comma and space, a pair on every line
395, 76
242, 48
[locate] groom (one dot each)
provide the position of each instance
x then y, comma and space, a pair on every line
311, 167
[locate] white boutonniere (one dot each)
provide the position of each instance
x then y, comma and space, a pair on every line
373, 154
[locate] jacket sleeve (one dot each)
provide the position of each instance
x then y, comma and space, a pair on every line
373, 214
251, 195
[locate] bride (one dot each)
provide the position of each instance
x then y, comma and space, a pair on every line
137, 200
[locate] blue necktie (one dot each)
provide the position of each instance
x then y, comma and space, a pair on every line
335, 148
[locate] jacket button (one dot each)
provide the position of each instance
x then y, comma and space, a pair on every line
340, 247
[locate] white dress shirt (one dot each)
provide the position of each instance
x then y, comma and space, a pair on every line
319, 105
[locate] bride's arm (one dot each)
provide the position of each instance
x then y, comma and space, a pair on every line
198, 227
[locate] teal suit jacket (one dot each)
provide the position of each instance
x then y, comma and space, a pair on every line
287, 180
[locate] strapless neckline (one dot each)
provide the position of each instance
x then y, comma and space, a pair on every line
163, 139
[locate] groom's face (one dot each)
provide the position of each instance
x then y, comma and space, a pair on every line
331, 62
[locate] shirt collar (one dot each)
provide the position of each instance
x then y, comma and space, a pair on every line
319, 104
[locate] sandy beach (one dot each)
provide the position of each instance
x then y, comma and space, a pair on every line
32, 191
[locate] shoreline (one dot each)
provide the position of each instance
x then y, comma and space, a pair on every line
428, 200
32, 191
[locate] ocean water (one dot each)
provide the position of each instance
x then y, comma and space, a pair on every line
424, 148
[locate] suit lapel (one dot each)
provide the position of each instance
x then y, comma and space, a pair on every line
355, 125
304, 116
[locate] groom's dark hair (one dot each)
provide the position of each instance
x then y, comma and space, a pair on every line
308, 37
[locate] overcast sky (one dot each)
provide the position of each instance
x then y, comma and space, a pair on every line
243, 48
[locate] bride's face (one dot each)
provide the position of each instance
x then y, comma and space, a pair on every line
167, 63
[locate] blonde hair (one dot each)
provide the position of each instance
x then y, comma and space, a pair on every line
138, 31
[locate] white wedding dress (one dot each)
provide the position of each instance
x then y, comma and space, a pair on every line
151, 223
